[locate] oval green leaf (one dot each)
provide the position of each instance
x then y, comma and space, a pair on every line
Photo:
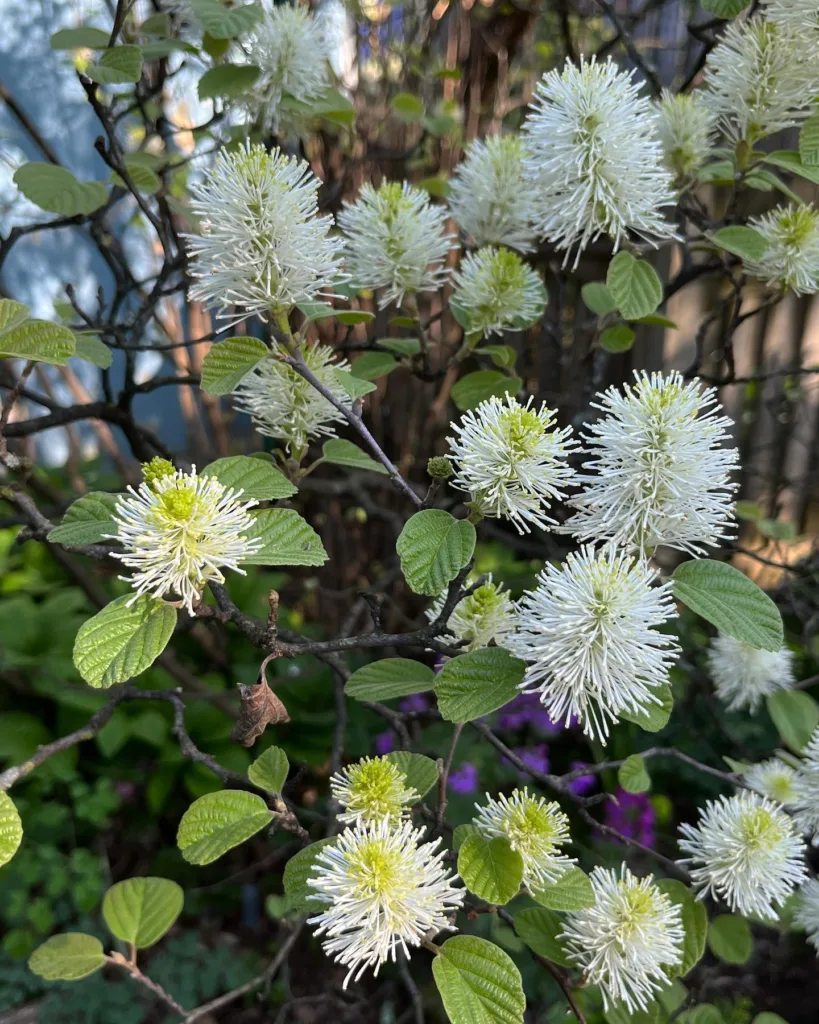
88, 520
478, 982
694, 921
433, 548
632, 775
744, 242
372, 365
228, 80
598, 298
490, 868
420, 772
477, 387
389, 678
141, 910
270, 770
795, 715
255, 478
228, 362
475, 684
11, 828
730, 939
117, 66
217, 822
296, 872
40, 340
539, 928
572, 891
618, 338
67, 957
345, 453
56, 190
286, 539
634, 286
656, 716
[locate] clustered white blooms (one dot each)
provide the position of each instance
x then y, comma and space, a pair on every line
511, 460
686, 127
288, 46
372, 789
496, 291
263, 247
594, 159
383, 890
488, 196
487, 614
773, 779
627, 940
807, 911
589, 635
179, 530
791, 259
743, 675
282, 404
745, 850
394, 240
534, 828
798, 17
662, 471
806, 785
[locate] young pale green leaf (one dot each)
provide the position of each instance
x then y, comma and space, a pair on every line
656, 716
372, 365
401, 346
315, 311
433, 548
727, 599
296, 872
229, 362
617, 1013
225, 22
694, 921
572, 891
56, 190
227, 80
269, 771
634, 286
730, 939
40, 340
156, 25
141, 910
11, 314
478, 982
795, 715
11, 828
351, 317
407, 107
809, 141
658, 320
747, 243
84, 37
389, 678
217, 822
67, 957
768, 1018
141, 172
501, 355
256, 479
421, 772
287, 539
92, 350
121, 641
790, 160
632, 775
117, 66
598, 298
344, 453
477, 683
705, 1013
725, 8
617, 338
490, 868
354, 386
539, 928
459, 836
477, 387
88, 520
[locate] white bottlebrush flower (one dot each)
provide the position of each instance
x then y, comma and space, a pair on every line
594, 159
179, 530
394, 240
807, 911
263, 247
773, 779
488, 613
806, 784
589, 634
288, 45
746, 851
512, 461
686, 128
283, 405
799, 18
744, 675
496, 291
662, 473
534, 828
372, 789
759, 80
791, 259
488, 196
627, 940
384, 890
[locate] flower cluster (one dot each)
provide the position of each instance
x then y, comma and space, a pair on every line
743, 675
791, 258
807, 911
686, 129
799, 18
484, 615
372, 789
496, 291
806, 788
773, 779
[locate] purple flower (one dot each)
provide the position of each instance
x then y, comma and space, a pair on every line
415, 702
526, 709
385, 742
440, 661
464, 779
583, 784
536, 757
632, 815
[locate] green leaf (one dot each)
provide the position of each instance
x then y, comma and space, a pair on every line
223, 22
296, 872
421, 772
598, 298
790, 160
705, 1013
730, 939
389, 678
501, 355
67, 957
286, 539
476, 387
12, 314
407, 107
354, 387
795, 715
228, 80
776, 529
727, 599
40, 340
725, 8
572, 891
768, 1018
748, 510
217, 822
88, 520
490, 868
634, 286
744, 242
92, 350
121, 641
117, 66
433, 548
657, 320
694, 920
539, 928
84, 37
351, 317
618, 338
632, 775
315, 311
270, 770
460, 834
345, 453
57, 190
228, 362
656, 716
141, 910
254, 478
478, 982
156, 24
401, 346
373, 364
472, 685
11, 828
141, 172
809, 141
